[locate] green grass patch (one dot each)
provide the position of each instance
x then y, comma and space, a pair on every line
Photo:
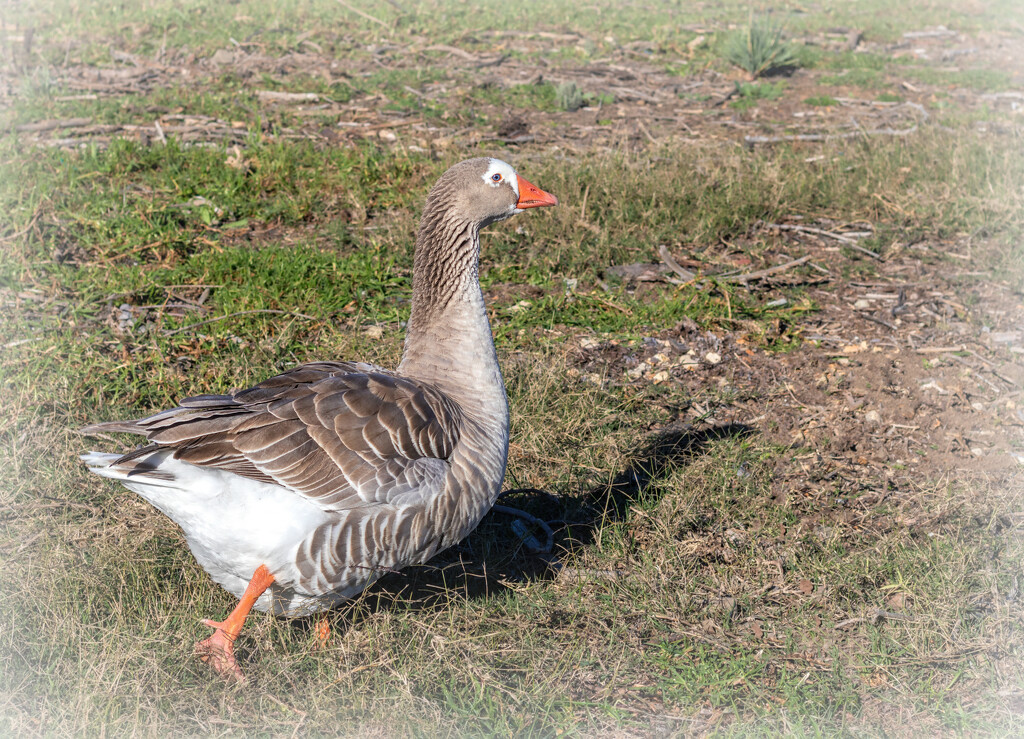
751, 93
821, 101
982, 80
529, 96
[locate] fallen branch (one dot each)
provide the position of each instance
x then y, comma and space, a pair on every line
762, 273
172, 332
822, 232
670, 261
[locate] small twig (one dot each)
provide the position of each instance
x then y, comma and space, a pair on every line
172, 332
22, 232
762, 273
52, 124
751, 140
357, 11
879, 321
939, 32
725, 98
874, 618
453, 50
977, 375
822, 232
941, 349
581, 574
496, 61
643, 128
287, 97
387, 124
672, 264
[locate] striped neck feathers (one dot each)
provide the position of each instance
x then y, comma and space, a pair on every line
445, 266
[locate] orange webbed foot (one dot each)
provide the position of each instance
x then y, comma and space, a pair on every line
321, 633
218, 652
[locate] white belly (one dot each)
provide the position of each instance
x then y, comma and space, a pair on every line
233, 525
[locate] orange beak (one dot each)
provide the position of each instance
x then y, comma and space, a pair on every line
531, 196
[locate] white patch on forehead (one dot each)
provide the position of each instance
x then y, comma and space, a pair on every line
507, 175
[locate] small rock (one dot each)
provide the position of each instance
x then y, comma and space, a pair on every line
589, 342
222, 57
637, 371
712, 357
862, 304
872, 417
659, 377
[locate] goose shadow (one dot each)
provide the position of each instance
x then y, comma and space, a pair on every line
494, 558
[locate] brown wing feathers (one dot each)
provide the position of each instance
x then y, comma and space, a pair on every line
323, 429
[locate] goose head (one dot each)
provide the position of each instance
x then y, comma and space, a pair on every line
484, 191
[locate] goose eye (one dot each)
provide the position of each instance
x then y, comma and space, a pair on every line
496, 177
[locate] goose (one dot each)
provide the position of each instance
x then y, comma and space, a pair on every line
297, 493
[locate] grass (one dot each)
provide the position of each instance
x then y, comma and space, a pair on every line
702, 602
758, 48
750, 93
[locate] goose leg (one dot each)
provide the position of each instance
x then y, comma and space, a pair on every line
219, 650
321, 633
